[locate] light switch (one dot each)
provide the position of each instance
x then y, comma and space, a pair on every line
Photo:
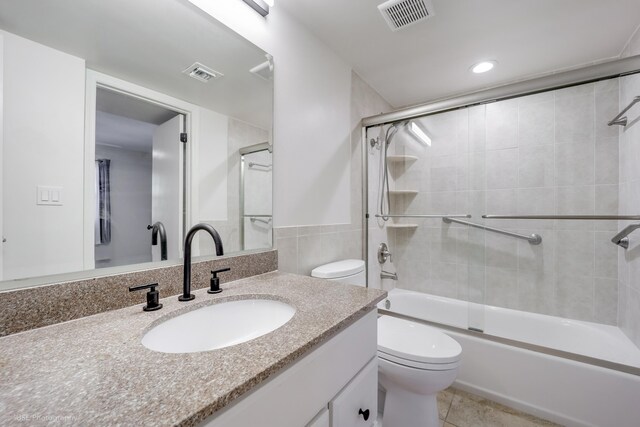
49, 196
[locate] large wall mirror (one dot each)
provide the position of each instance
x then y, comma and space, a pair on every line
98, 99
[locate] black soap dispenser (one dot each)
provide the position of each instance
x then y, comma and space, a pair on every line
215, 281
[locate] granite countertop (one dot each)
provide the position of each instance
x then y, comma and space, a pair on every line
95, 371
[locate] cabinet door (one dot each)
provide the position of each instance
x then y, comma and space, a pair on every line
357, 404
320, 420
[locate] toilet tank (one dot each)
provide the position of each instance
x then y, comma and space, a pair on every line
349, 271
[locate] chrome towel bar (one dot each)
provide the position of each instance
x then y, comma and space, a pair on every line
567, 217
622, 121
621, 238
534, 239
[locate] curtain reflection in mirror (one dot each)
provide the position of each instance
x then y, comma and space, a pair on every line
103, 202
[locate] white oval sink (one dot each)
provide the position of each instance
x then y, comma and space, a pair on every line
218, 325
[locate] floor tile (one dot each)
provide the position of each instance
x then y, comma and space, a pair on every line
444, 402
468, 410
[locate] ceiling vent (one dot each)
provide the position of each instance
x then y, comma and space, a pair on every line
400, 14
202, 73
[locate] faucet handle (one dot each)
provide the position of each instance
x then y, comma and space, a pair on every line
222, 270
153, 296
215, 281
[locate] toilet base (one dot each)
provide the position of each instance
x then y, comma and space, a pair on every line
411, 394
406, 409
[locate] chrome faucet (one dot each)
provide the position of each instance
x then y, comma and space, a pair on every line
158, 228
186, 293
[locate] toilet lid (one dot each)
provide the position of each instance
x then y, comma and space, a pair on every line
334, 270
416, 342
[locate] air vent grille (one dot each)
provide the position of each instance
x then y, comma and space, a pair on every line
403, 13
202, 73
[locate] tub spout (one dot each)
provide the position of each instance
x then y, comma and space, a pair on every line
387, 275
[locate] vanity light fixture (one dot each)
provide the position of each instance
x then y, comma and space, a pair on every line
260, 6
419, 133
483, 67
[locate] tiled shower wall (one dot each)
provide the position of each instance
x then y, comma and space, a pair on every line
301, 249
549, 153
629, 260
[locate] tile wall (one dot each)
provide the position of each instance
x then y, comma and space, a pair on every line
629, 260
301, 249
549, 153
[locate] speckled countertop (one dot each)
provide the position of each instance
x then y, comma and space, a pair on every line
95, 371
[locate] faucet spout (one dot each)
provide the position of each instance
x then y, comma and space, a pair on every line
158, 228
186, 290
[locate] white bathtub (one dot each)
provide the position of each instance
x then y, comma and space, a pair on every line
525, 376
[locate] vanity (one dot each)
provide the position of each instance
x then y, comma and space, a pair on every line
317, 369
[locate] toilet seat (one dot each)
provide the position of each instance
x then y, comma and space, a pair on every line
418, 365
416, 345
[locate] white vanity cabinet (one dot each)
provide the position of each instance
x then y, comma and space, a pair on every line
325, 388
357, 404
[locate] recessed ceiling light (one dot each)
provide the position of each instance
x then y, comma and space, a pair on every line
483, 67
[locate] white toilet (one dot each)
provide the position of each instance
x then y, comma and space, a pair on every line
415, 361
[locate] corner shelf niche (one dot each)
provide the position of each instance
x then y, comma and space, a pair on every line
402, 226
400, 158
403, 192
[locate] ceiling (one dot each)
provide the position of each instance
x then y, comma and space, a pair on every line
150, 43
119, 104
431, 60
124, 133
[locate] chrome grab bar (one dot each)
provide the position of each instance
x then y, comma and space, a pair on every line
266, 219
621, 238
423, 216
252, 164
622, 121
534, 239
567, 217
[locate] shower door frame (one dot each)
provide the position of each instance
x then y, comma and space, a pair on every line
256, 148
604, 71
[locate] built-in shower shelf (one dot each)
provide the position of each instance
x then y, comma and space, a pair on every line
403, 192
401, 159
402, 226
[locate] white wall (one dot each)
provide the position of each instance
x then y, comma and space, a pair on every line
43, 145
312, 110
212, 166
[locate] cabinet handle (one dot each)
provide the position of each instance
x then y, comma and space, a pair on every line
365, 414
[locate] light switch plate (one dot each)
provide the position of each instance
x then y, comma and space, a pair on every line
48, 195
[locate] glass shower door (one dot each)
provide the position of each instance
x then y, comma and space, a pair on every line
429, 184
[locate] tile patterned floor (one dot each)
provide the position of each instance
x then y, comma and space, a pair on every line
461, 409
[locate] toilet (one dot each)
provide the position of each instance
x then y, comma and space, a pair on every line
415, 361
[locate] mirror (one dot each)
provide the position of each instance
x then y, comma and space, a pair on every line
98, 99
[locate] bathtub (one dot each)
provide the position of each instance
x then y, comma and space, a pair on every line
571, 372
